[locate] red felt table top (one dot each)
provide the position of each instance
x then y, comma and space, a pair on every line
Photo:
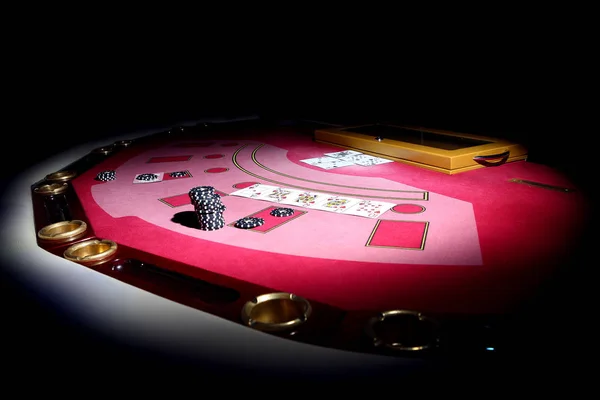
489, 242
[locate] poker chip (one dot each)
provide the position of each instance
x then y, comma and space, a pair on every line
211, 228
203, 193
146, 177
202, 189
106, 176
210, 210
282, 212
210, 217
211, 223
207, 198
195, 197
249, 222
178, 174
207, 203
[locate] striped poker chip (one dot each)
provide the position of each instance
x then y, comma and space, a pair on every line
282, 212
249, 222
178, 174
106, 176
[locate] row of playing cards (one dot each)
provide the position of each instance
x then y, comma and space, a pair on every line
315, 200
345, 158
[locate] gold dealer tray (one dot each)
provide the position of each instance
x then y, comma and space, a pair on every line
438, 150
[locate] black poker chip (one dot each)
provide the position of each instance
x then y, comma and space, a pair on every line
249, 222
106, 176
206, 201
209, 211
146, 177
211, 225
212, 198
208, 205
178, 174
202, 190
282, 212
212, 217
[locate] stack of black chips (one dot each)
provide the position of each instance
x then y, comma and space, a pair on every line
106, 176
208, 207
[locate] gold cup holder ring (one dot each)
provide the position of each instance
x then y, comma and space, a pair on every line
63, 232
403, 330
91, 252
123, 143
61, 176
105, 150
51, 189
276, 312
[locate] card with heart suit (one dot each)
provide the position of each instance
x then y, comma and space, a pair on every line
257, 191
369, 208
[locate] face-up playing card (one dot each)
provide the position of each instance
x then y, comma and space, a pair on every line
256, 191
369, 208
149, 177
343, 153
303, 199
327, 162
334, 203
364, 160
277, 194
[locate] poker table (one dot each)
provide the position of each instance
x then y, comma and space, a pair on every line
432, 277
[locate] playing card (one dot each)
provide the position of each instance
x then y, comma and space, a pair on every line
334, 203
256, 191
327, 162
277, 194
369, 208
364, 160
303, 199
149, 177
344, 153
